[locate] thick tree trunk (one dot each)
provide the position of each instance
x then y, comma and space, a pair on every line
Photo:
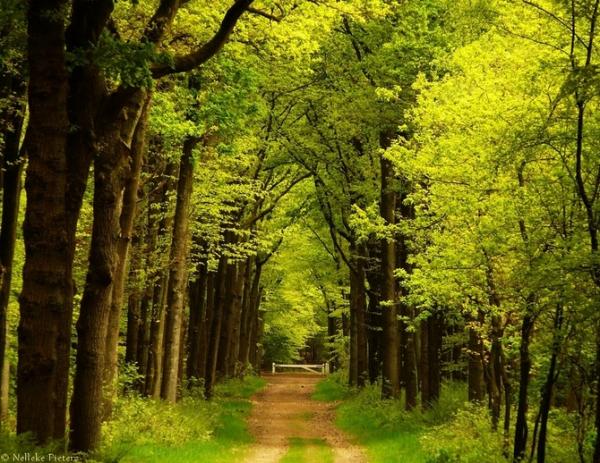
126, 223
87, 89
180, 247
45, 290
390, 371
110, 174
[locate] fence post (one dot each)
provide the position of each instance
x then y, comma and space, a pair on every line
326, 368
273, 368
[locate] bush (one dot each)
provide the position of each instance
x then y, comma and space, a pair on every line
467, 438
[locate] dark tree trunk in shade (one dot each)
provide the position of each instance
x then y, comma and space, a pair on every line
424, 362
374, 314
475, 366
253, 316
180, 247
246, 314
407, 352
157, 327
521, 426
45, 290
235, 334
216, 325
226, 325
551, 378
197, 323
134, 322
391, 362
358, 313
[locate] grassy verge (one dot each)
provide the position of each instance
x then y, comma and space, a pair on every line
194, 430
387, 432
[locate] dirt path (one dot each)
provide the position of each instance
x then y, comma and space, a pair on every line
284, 412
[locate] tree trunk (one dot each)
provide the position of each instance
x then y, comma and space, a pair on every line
45, 284
373, 272
12, 166
234, 343
126, 223
110, 173
551, 379
390, 371
215, 330
424, 363
253, 306
197, 323
180, 247
475, 366
358, 311
521, 427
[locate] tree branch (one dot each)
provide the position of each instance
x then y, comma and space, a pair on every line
194, 59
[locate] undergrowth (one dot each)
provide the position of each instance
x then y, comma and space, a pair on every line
453, 431
143, 430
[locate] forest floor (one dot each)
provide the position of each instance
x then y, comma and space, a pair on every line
290, 427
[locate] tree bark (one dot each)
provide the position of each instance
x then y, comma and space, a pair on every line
12, 166
110, 174
548, 387
197, 323
215, 329
390, 370
45, 284
180, 247
521, 427
358, 312
475, 367
126, 223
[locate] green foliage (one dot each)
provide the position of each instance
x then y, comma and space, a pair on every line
333, 388
145, 430
383, 427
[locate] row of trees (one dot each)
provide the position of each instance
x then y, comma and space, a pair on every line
423, 172
122, 120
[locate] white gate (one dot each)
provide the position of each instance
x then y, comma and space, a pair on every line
320, 368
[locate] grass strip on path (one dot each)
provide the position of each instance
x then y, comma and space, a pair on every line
308, 451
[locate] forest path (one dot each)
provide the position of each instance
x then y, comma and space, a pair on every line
284, 414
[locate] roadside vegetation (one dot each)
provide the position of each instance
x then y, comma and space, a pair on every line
451, 431
148, 431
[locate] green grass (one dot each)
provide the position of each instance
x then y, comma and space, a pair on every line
197, 431
308, 451
387, 432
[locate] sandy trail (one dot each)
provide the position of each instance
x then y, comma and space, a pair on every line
284, 410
